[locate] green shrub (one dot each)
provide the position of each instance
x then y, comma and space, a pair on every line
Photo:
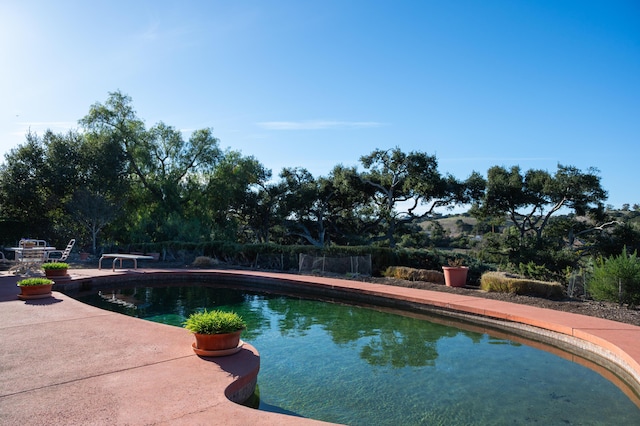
55, 266
214, 322
531, 270
34, 281
507, 283
616, 279
246, 255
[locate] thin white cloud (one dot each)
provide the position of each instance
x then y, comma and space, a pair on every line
317, 125
151, 33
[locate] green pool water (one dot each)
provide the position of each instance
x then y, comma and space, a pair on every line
360, 366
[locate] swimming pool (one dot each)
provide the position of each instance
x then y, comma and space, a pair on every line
353, 365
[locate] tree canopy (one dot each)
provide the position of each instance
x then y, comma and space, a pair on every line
392, 178
531, 199
116, 181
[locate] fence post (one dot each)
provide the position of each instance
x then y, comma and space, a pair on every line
619, 292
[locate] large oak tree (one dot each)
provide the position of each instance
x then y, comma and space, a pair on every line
529, 200
407, 187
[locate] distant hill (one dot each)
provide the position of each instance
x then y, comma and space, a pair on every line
454, 225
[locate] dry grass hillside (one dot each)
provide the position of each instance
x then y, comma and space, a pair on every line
453, 225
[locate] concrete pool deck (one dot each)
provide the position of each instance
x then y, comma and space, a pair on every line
64, 362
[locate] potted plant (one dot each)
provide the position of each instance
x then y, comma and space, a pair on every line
455, 275
217, 332
35, 288
55, 269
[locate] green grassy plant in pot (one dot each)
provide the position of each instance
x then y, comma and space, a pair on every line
217, 332
455, 275
35, 288
55, 269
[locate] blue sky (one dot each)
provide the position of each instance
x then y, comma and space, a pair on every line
318, 83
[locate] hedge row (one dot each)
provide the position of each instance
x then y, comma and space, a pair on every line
249, 254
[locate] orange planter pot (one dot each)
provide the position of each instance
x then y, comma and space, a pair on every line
218, 342
55, 273
455, 276
35, 292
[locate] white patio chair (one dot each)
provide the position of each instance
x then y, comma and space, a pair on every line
60, 255
29, 261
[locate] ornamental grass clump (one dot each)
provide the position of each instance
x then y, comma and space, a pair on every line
214, 322
412, 274
27, 282
202, 262
507, 283
54, 266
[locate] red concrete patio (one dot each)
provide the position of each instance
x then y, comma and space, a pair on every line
64, 362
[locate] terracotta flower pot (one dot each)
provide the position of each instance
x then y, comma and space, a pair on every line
55, 273
218, 342
455, 276
35, 291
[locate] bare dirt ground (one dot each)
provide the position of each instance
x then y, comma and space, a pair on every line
592, 308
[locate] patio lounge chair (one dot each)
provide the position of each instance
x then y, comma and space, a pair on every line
60, 255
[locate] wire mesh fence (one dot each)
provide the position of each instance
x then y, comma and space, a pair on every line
343, 265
